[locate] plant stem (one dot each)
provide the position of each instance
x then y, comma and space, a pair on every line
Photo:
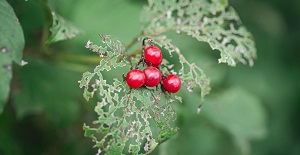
136, 52
134, 41
75, 67
80, 58
47, 24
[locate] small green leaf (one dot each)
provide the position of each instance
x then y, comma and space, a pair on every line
11, 48
114, 150
61, 29
165, 135
134, 149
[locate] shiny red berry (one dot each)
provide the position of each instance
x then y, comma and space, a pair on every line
153, 56
135, 78
172, 83
153, 76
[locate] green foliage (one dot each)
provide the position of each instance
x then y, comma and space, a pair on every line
222, 111
190, 74
213, 22
218, 126
232, 120
126, 117
54, 91
8, 144
61, 29
11, 48
199, 136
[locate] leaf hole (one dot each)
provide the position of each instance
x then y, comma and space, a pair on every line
4, 49
7, 67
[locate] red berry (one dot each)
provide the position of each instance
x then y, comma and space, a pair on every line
153, 56
172, 83
135, 78
153, 76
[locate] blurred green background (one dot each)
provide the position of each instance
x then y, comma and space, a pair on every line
250, 110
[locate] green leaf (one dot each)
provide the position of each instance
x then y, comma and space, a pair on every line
213, 22
165, 135
199, 136
134, 120
238, 112
6, 75
49, 88
11, 48
8, 143
190, 74
61, 29
114, 150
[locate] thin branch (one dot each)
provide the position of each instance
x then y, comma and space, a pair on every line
134, 41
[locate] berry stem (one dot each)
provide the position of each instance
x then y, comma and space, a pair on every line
138, 51
146, 39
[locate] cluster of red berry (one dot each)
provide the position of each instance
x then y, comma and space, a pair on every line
152, 76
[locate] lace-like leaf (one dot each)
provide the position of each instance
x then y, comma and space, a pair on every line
211, 21
133, 121
61, 29
190, 74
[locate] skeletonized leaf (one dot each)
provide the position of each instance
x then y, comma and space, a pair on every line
61, 29
133, 121
213, 22
190, 74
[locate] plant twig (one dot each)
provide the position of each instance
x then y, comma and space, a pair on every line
134, 41
135, 53
80, 58
47, 24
